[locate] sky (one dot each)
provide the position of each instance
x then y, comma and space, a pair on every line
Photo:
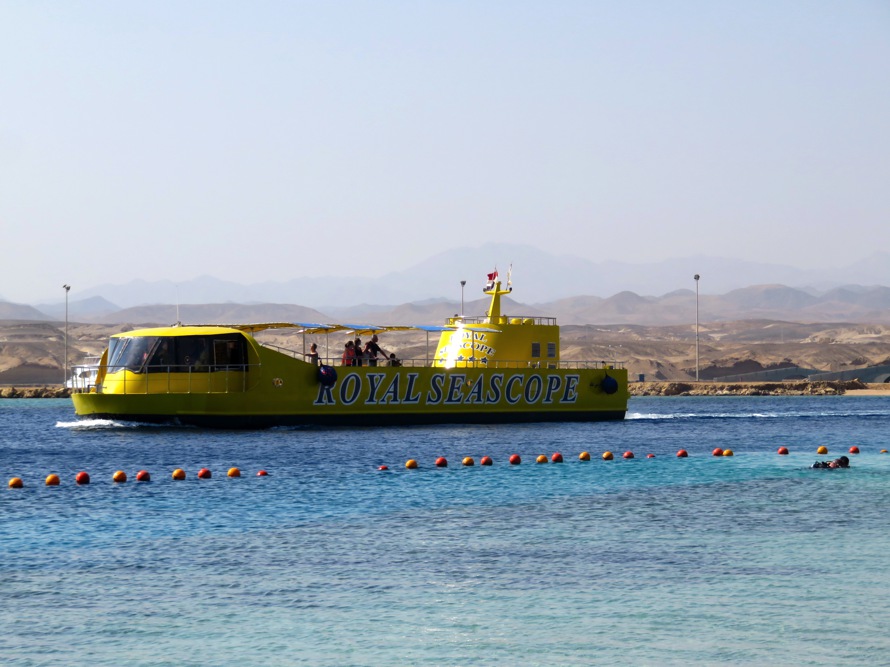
266, 141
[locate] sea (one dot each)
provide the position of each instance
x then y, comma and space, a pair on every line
750, 559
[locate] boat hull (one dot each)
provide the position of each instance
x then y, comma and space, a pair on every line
289, 393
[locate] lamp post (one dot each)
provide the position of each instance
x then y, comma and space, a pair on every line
696, 276
67, 289
462, 283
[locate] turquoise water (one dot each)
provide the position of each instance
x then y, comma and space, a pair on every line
750, 560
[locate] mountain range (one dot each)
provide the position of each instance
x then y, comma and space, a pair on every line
852, 303
573, 289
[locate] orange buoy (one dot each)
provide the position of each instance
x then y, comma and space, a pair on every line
263, 473
515, 459
542, 458
584, 456
628, 455
556, 457
854, 449
204, 473
143, 476
883, 451
485, 461
468, 461
727, 452
717, 451
782, 451
411, 464
119, 477
82, 477
234, 472
441, 462
607, 456
650, 456
682, 454
179, 474
16, 483
53, 480
822, 449
378, 468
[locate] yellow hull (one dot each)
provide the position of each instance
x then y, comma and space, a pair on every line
285, 391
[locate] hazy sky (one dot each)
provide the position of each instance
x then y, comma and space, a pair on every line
260, 141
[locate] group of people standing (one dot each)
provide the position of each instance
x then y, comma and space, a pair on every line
370, 354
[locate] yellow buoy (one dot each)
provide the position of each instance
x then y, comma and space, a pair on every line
120, 477
16, 483
468, 461
607, 456
53, 480
727, 452
584, 456
822, 449
234, 472
411, 464
179, 474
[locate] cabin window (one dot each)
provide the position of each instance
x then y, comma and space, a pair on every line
536, 350
178, 354
551, 350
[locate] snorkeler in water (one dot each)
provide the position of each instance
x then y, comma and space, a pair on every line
842, 462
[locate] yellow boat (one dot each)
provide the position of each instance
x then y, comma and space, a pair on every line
490, 369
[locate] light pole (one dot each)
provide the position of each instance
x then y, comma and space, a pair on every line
696, 276
67, 288
462, 283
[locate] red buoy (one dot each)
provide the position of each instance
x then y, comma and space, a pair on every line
143, 476
628, 455
82, 477
515, 459
650, 456
783, 451
682, 454
485, 461
854, 449
717, 452
556, 457
441, 462
380, 468
262, 473
204, 473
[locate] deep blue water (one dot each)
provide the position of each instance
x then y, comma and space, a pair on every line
750, 560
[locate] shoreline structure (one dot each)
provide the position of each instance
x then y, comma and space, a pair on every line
796, 388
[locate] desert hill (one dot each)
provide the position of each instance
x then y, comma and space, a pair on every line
33, 352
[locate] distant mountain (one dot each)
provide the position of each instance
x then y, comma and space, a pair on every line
89, 308
538, 277
226, 313
19, 311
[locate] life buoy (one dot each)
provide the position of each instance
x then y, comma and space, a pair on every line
609, 384
327, 375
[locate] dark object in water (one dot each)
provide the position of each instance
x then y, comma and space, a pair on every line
842, 462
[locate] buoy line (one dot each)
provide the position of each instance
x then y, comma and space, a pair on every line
83, 478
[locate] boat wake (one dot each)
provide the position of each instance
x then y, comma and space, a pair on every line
96, 424
652, 416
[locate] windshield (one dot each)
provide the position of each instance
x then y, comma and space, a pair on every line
178, 354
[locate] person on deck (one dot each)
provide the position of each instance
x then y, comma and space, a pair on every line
312, 356
349, 354
373, 350
359, 352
